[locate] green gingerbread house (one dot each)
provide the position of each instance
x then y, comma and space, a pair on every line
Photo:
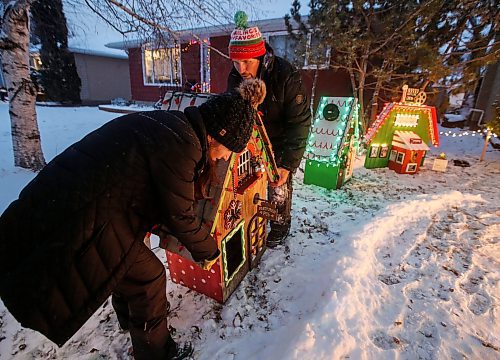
333, 143
408, 118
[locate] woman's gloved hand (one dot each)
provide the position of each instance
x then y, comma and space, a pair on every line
208, 263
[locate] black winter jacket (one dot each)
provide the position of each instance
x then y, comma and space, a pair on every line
75, 229
286, 112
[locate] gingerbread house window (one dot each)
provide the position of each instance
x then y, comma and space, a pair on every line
257, 234
247, 172
233, 252
244, 164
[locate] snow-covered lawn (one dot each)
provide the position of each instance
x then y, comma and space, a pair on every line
388, 267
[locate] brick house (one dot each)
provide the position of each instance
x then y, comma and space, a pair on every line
153, 71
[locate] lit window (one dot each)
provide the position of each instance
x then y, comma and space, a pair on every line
35, 62
162, 66
244, 164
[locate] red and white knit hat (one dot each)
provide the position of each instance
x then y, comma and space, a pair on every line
246, 42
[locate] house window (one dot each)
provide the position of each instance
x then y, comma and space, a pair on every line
233, 252
284, 46
162, 66
400, 158
35, 62
257, 234
317, 54
411, 167
244, 165
383, 151
311, 55
374, 151
392, 156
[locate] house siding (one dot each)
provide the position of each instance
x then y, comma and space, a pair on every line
219, 65
328, 83
191, 63
103, 78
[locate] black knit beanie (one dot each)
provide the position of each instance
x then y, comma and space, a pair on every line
229, 119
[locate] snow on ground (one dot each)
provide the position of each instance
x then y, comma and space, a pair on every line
388, 267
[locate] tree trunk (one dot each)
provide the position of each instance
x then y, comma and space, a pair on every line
361, 94
14, 50
378, 85
313, 90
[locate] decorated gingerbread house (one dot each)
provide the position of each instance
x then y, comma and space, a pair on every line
400, 135
236, 213
333, 143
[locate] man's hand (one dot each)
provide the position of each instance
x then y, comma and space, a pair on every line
283, 173
208, 263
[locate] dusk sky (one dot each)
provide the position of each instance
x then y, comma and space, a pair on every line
90, 32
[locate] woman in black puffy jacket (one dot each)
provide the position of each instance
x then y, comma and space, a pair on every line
75, 235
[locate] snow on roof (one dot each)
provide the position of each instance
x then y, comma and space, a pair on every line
97, 53
408, 140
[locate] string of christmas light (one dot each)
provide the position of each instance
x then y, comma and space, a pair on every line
205, 85
466, 133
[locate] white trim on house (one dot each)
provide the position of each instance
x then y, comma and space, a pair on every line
323, 66
204, 60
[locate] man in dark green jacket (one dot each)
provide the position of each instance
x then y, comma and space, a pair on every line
285, 112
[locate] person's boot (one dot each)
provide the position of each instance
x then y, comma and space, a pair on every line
184, 352
179, 352
277, 235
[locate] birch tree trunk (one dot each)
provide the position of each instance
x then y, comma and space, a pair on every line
361, 93
14, 52
378, 85
313, 91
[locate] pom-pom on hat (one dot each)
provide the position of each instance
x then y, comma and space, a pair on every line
229, 117
246, 42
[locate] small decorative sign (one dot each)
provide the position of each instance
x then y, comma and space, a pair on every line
440, 165
413, 96
267, 210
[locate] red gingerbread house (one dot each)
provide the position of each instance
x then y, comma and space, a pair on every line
237, 217
407, 152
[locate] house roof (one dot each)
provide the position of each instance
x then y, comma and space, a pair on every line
35, 49
265, 26
408, 140
390, 107
97, 53
207, 208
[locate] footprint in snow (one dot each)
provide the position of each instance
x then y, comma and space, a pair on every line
384, 341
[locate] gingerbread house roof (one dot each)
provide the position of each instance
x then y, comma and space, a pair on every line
389, 108
408, 140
